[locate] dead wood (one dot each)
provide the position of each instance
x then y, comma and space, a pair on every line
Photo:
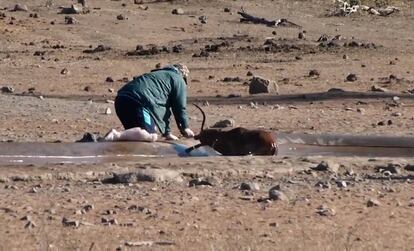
260, 20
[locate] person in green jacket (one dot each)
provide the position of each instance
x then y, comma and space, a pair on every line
146, 103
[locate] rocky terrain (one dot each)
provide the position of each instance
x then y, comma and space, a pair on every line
61, 63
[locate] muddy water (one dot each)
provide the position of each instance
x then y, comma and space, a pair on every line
289, 145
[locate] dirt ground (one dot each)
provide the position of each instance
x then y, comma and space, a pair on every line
358, 204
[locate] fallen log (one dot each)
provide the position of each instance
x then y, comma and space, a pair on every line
260, 20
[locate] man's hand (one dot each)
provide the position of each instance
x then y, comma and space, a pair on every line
188, 133
171, 136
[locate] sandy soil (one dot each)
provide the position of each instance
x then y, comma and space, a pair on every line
218, 215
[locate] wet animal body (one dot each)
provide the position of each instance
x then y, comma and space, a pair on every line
236, 142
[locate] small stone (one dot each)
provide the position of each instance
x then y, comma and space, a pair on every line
20, 7
249, 73
411, 203
323, 184
121, 17
249, 186
324, 210
227, 9
199, 182
88, 207
26, 217
376, 88
83, 3
327, 166
70, 223
178, 11
277, 195
345, 56
203, 19
314, 73
138, 1
261, 85
7, 89
108, 111
87, 88
341, 183
139, 243
30, 224
64, 71
409, 167
373, 203
109, 80
351, 77
70, 20
301, 35
74, 9
224, 123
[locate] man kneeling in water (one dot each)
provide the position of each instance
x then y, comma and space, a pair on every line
145, 104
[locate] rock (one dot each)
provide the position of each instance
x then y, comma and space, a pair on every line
409, 167
373, 203
324, 210
139, 243
323, 184
249, 73
261, 85
301, 35
108, 111
26, 217
7, 89
376, 88
99, 48
70, 223
20, 7
109, 80
314, 73
70, 20
87, 88
203, 19
88, 208
149, 175
327, 166
341, 183
345, 56
177, 48
227, 9
411, 203
121, 17
64, 71
277, 195
73, 9
89, 137
138, 1
249, 186
83, 3
199, 182
106, 221
232, 79
30, 224
178, 11
224, 123
393, 168
351, 77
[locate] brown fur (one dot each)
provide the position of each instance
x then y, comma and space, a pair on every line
236, 142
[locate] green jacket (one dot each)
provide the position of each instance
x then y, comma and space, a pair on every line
160, 91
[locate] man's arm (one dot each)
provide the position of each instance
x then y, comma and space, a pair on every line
179, 108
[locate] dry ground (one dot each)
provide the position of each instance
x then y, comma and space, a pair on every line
221, 216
